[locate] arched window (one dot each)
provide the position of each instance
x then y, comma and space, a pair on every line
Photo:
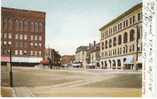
21, 25
114, 41
17, 25
119, 40
25, 25
5, 23
119, 62
106, 44
32, 27
132, 35
123, 50
40, 27
36, 27
126, 49
125, 37
10, 24
110, 43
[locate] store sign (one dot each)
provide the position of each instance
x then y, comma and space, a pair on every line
5, 59
27, 59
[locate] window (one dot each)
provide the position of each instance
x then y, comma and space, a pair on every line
31, 52
5, 23
40, 44
5, 42
16, 36
36, 37
125, 37
114, 41
110, 43
16, 44
139, 16
9, 43
16, 52
36, 27
119, 40
9, 36
31, 37
31, 44
21, 52
5, 35
21, 36
25, 25
130, 20
40, 27
106, 44
102, 45
10, 24
133, 19
132, 34
40, 53
25, 37
25, 44
120, 26
21, 44
126, 23
21, 25
40, 38
32, 27
17, 25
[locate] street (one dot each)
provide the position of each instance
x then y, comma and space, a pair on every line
44, 82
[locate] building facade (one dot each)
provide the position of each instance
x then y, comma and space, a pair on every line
94, 54
67, 59
81, 56
121, 41
52, 56
22, 33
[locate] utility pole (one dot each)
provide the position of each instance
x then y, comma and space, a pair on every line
11, 72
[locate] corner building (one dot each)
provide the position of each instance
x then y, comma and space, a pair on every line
23, 32
121, 41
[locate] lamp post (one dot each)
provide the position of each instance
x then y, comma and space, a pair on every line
11, 72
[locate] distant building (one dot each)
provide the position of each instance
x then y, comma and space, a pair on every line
52, 56
81, 55
94, 54
121, 41
23, 32
67, 59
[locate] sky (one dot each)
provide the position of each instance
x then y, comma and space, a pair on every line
72, 23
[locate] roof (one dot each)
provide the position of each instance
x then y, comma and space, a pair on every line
81, 48
122, 15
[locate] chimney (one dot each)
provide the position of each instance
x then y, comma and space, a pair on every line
94, 43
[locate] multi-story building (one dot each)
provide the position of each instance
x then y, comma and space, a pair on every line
67, 59
52, 56
121, 41
94, 54
22, 32
81, 55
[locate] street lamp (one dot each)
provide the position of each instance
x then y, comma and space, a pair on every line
11, 72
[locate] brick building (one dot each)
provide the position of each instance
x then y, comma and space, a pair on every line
22, 32
67, 59
52, 56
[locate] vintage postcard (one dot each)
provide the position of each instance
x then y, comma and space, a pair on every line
78, 48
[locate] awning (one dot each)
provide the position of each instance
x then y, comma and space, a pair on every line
5, 59
129, 60
44, 62
139, 60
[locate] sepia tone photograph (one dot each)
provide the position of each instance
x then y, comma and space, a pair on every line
71, 48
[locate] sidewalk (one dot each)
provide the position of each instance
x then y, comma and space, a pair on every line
22, 92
